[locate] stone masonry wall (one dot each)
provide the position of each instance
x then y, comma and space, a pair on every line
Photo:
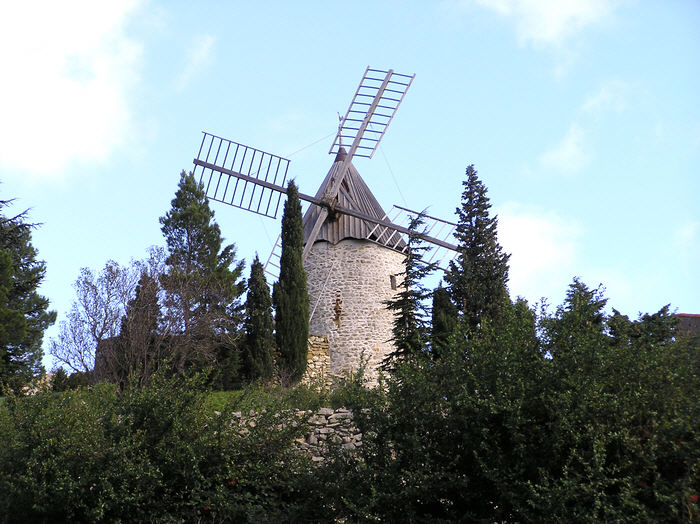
326, 426
348, 284
318, 363
330, 425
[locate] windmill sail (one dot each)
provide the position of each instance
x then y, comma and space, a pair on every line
437, 233
372, 108
240, 175
344, 207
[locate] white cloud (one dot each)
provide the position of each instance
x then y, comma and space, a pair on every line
547, 252
69, 68
612, 96
198, 57
551, 22
569, 156
543, 250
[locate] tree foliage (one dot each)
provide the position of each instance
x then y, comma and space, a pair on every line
477, 280
260, 339
290, 296
443, 323
24, 314
13, 325
151, 454
570, 416
202, 279
574, 416
62, 381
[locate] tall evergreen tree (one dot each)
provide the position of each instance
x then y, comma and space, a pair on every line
410, 329
444, 320
477, 280
202, 278
290, 296
260, 339
24, 314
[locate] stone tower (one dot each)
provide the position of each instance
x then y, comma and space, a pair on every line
350, 277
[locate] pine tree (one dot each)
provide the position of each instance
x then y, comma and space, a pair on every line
290, 295
24, 314
444, 320
477, 280
202, 278
410, 329
260, 340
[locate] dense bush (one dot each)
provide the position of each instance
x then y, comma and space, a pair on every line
573, 416
577, 416
152, 454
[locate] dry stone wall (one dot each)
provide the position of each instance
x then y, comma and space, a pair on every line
327, 427
348, 285
318, 363
330, 426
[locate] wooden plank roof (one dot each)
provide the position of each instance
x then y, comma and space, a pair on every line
353, 194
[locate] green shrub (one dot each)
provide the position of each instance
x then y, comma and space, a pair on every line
588, 418
152, 454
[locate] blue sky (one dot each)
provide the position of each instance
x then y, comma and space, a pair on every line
582, 118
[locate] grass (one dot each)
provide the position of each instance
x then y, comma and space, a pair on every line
256, 395
220, 400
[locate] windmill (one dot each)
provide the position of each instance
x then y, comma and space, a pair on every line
353, 250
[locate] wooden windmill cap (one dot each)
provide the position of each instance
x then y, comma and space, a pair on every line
352, 194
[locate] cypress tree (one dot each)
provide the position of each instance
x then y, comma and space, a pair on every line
444, 320
260, 340
477, 280
290, 295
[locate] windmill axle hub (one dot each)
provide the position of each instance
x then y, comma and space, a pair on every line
331, 204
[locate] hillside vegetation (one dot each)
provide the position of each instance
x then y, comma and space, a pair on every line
588, 417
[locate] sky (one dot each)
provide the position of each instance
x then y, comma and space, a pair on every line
582, 117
